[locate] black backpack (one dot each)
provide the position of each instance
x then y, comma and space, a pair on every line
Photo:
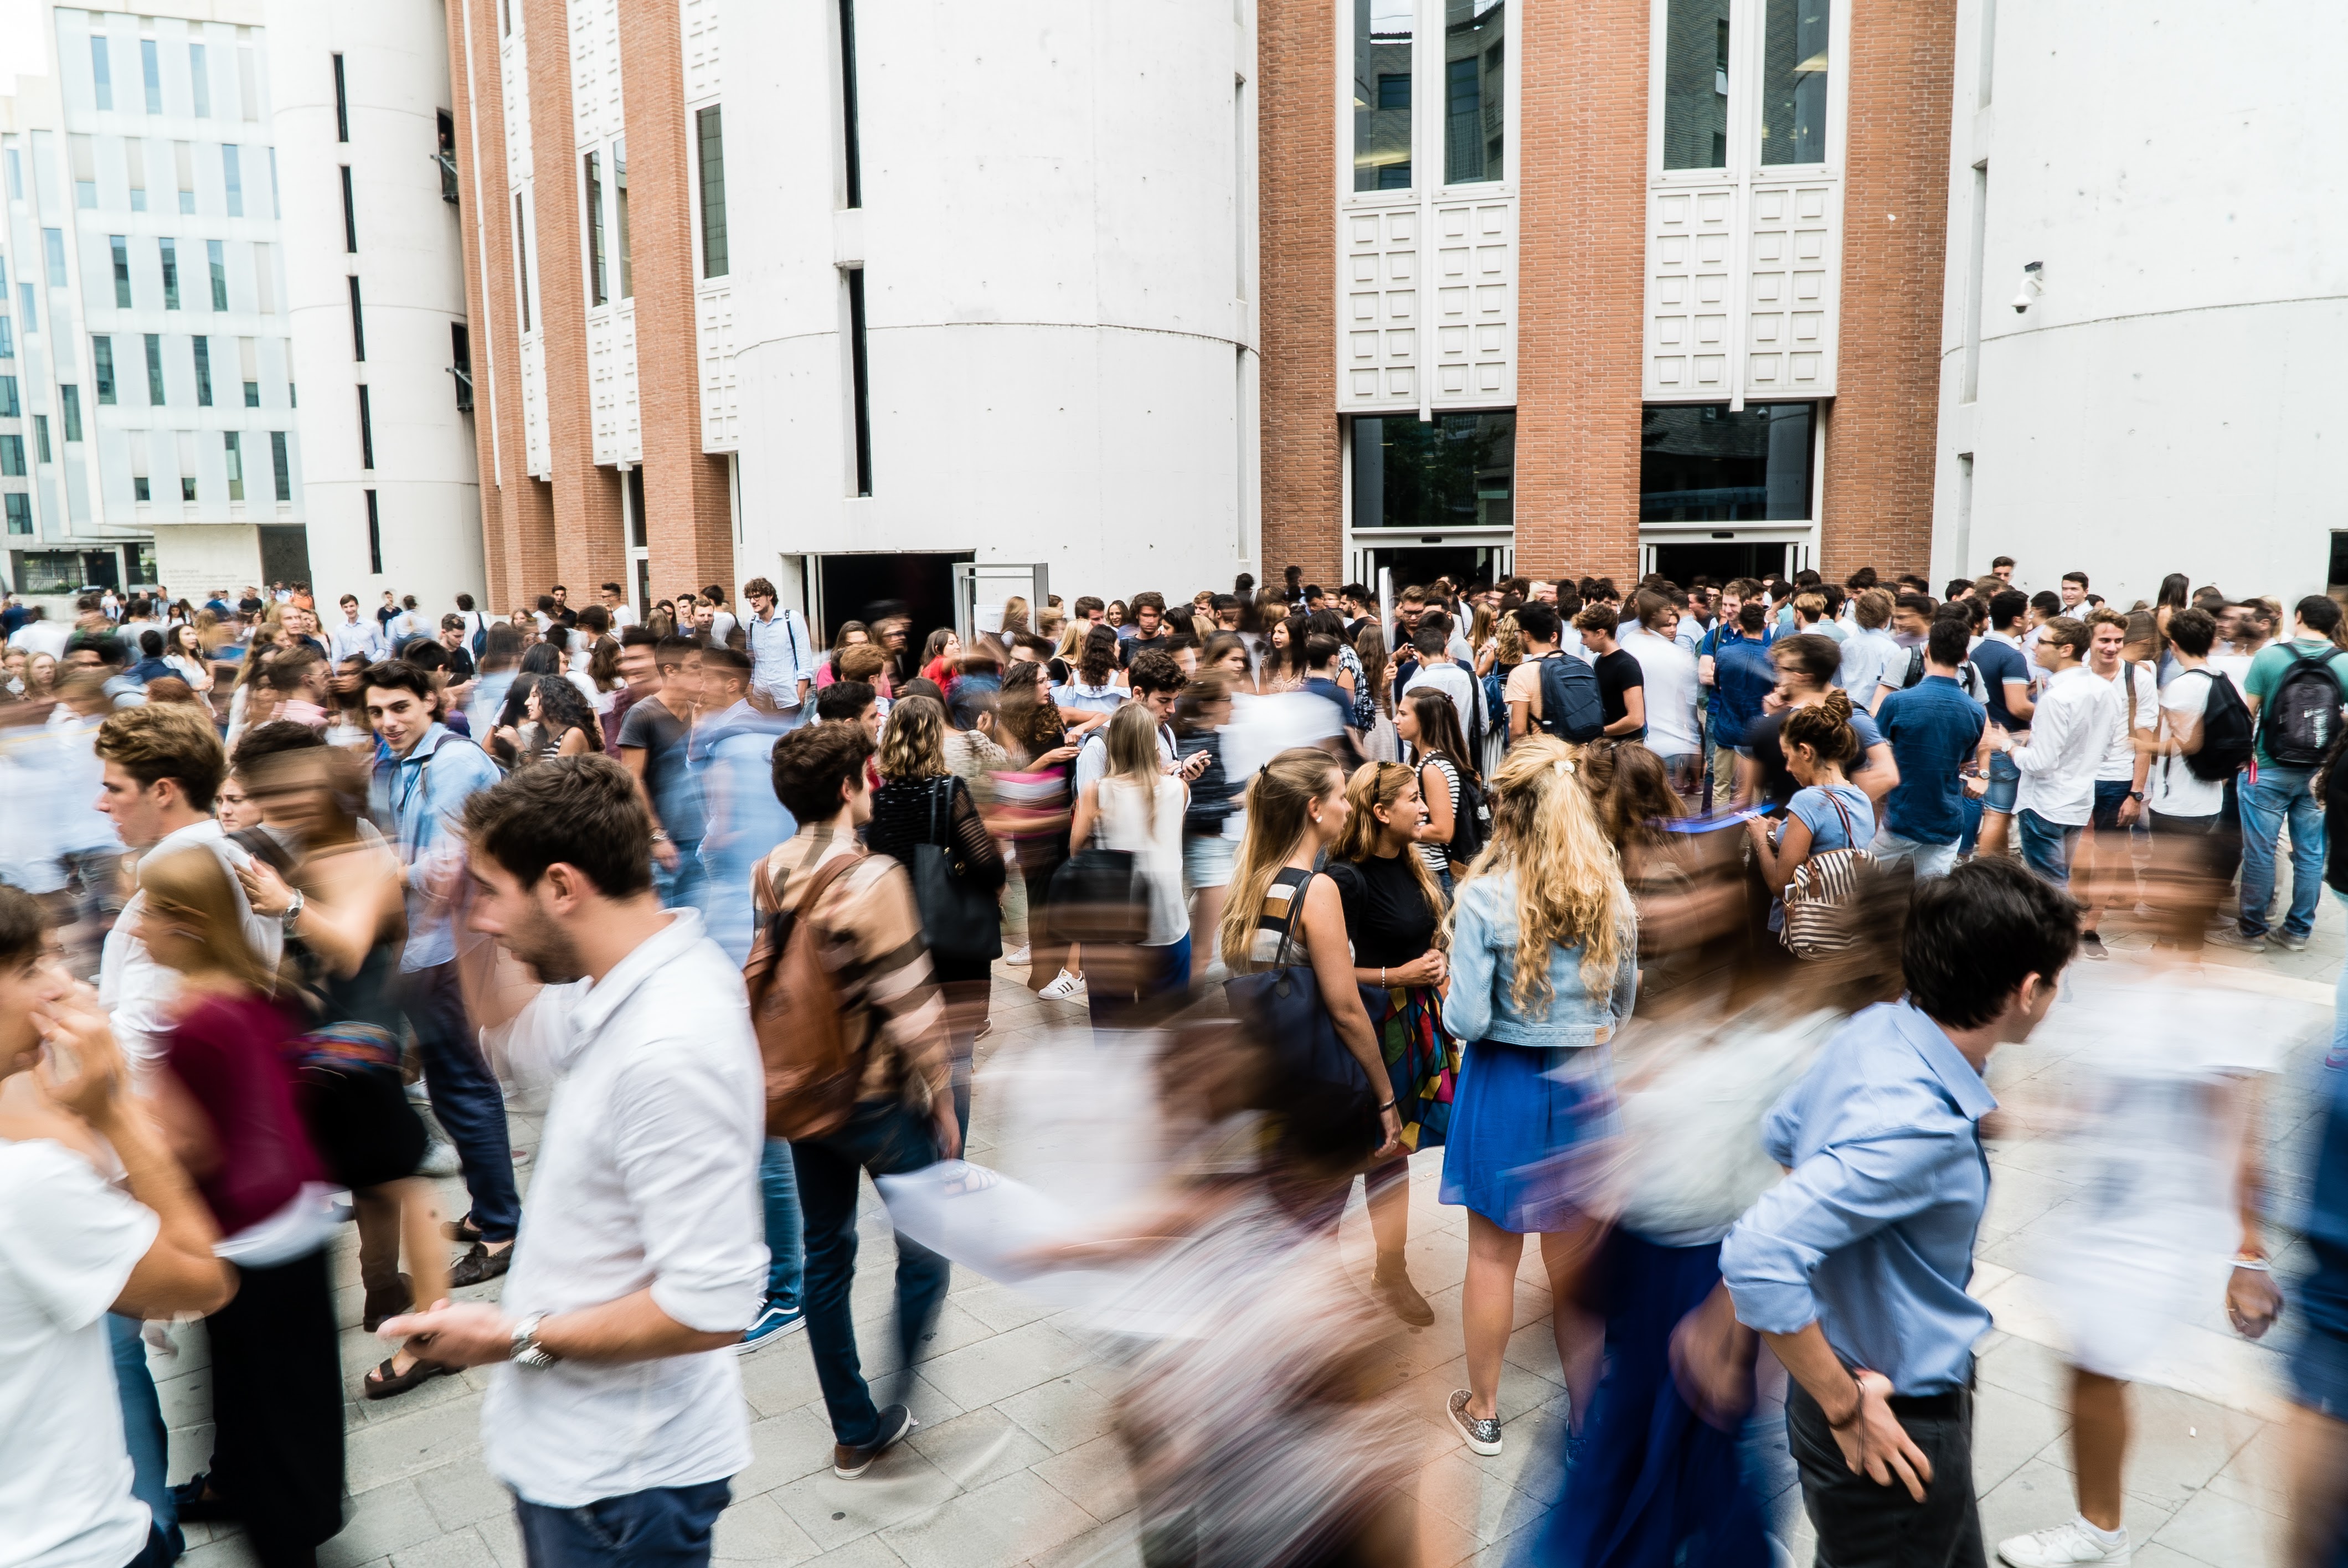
1471, 820
2297, 723
1968, 678
2225, 731
1571, 707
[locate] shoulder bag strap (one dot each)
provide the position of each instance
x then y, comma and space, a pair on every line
1288, 924
1850, 834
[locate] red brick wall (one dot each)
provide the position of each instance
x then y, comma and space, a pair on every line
1296, 65
1881, 442
1582, 260
688, 510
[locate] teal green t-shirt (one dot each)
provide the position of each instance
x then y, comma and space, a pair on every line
2267, 672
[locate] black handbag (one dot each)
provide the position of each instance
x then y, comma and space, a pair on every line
1097, 895
1317, 1086
961, 921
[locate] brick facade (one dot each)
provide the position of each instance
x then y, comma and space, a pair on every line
1877, 490
1582, 260
1297, 281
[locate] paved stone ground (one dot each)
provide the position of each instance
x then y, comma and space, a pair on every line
1014, 1464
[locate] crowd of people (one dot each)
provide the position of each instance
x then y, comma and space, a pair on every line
1673, 926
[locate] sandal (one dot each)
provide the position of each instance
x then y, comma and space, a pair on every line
388, 1301
383, 1383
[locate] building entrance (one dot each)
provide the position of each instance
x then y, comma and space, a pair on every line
1415, 565
853, 587
1722, 562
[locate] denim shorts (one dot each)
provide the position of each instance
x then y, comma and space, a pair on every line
2110, 795
2004, 782
1207, 861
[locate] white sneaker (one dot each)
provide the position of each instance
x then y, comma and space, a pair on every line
1066, 988
2075, 1542
1017, 958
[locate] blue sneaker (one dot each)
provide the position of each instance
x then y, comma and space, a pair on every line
771, 1324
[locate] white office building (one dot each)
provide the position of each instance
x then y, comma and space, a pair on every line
2147, 280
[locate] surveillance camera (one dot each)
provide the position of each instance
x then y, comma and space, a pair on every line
2022, 302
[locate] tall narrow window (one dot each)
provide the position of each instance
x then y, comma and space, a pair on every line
138, 488
69, 404
12, 457
100, 75
248, 85
83, 152
134, 161
460, 368
350, 212
102, 359
204, 372
200, 80
216, 258
154, 370
169, 250
276, 209
7, 338
447, 156
280, 466
248, 362
709, 133
232, 455
1795, 57
1695, 85
851, 137
522, 261
366, 429
375, 537
1974, 251
20, 511
152, 70
1964, 511
1475, 103
1382, 50
860, 382
358, 323
32, 318
342, 104
596, 291
620, 216
53, 245
121, 245
183, 160
232, 172
264, 292
10, 408
41, 439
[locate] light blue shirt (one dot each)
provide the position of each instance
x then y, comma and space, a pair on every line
419, 804
1484, 969
1871, 1236
1866, 655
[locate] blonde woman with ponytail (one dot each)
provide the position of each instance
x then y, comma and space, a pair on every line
1544, 969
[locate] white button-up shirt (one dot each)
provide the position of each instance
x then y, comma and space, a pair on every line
781, 655
2067, 736
647, 1177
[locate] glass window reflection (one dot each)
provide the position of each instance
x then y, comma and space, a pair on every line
1795, 57
1695, 85
1700, 463
1475, 97
1457, 470
1382, 51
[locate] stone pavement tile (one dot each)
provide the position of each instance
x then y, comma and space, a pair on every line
188, 1449
901, 1485
2223, 1531
780, 1377
978, 1448
1533, 1348
1459, 1487
865, 1551
954, 1328
1520, 1392
995, 1369
2038, 1494
379, 1454
1443, 1541
228, 1552
1010, 1521
2026, 1366
754, 1531
503, 1533
2255, 1474
1115, 1544
2177, 1444
187, 1399
459, 1549
2018, 1195
2010, 1430
1444, 1340
462, 1492
2153, 1555
998, 1306
423, 1397
382, 1519
1062, 1414
1095, 1476
784, 1448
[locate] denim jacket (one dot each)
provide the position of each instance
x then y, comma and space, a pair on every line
1484, 967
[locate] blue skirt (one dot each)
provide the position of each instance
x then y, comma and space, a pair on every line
1528, 1124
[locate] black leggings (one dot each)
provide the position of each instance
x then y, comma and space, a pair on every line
277, 1409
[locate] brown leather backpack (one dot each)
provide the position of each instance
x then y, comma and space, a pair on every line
811, 1075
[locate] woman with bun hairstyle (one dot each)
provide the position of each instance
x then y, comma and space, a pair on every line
1828, 811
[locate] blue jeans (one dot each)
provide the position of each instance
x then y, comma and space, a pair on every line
682, 888
885, 1138
2004, 784
1930, 860
670, 1526
465, 1096
2281, 796
785, 1243
2339, 1056
142, 1428
2047, 846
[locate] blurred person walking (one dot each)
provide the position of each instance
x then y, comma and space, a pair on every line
612, 1414
654, 743
1544, 970
1136, 808
1033, 801
731, 752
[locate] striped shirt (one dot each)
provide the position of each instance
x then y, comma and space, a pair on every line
1438, 855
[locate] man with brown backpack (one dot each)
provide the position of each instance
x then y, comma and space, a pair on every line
852, 1028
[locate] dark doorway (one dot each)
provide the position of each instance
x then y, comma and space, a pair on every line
1420, 565
284, 553
1723, 561
101, 569
849, 587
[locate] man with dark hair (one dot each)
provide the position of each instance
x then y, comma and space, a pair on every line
2294, 690
2190, 858
2074, 592
782, 654
2005, 665
850, 701
2001, 569
151, 665
453, 636
1150, 633
424, 776
616, 603
653, 738
1155, 680
1622, 684
2071, 727
1855, 1267
893, 1020
1933, 728
645, 1259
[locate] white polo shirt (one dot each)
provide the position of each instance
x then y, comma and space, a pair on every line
647, 1177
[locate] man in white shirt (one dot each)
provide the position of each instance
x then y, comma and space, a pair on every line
782, 654
615, 599
1669, 670
2068, 735
722, 620
614, 1411
42, 635
81, 1263
356, 636
2120, 773
1869, 654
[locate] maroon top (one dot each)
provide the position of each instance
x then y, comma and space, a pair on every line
228, 1051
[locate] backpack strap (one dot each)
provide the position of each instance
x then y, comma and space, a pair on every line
830, 871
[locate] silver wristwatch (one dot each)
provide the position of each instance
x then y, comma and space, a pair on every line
526, 1351
293, 911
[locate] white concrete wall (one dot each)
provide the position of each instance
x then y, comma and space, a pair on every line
1058, 264
2157, 409
411, 273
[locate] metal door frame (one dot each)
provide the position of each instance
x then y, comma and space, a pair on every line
966, 578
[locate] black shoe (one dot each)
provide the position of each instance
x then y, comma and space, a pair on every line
388, 1301
194, 1508
461, 1229
848, 1463
480, 1266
